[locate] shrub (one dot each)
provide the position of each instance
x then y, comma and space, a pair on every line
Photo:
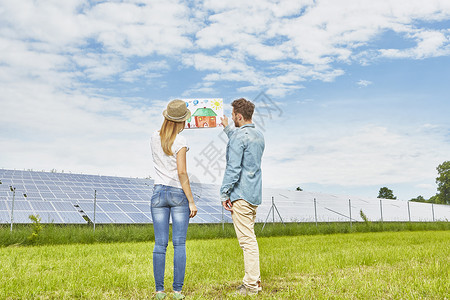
36, 228
364, 217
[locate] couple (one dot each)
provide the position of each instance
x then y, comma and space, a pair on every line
240, 192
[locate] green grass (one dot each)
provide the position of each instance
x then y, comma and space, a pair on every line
383, 265
72, 234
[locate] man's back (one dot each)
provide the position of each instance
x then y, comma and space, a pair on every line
243, 174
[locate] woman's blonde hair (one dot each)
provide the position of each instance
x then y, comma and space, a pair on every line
168, 133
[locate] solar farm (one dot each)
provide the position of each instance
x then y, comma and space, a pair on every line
65, 198
331, 260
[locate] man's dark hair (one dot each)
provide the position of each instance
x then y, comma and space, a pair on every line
244, 107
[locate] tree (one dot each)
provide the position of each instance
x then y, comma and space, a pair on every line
443, 182
434, 199
386, 193
419, 198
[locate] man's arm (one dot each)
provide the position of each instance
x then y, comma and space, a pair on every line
233, 169
228, 129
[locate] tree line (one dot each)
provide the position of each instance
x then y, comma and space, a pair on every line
443, 188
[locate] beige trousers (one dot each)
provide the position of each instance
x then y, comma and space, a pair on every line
243, 216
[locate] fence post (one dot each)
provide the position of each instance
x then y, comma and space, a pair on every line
13, 189
432, 209
381, 211
409, 213
95, 205
273, 212
315, 210
350, 211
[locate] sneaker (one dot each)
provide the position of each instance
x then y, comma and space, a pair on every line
178, 296
160, 296
244, 291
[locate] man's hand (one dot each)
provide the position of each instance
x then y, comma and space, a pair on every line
227, 205
224, 121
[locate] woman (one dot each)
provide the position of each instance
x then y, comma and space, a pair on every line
172, 196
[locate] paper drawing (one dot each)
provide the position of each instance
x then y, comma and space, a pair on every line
205, 113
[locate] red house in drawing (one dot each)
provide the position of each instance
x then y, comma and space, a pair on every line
205, 117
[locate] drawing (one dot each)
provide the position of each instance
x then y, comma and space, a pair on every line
204, 112
205, 117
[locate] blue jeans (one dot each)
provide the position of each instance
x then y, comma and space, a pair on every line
166, 201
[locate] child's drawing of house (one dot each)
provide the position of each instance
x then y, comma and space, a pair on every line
205, 117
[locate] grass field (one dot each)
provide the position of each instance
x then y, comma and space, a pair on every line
52, 234
382, 265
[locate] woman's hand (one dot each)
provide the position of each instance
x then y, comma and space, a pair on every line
193, 209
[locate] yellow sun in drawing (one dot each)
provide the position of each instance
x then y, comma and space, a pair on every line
216, 104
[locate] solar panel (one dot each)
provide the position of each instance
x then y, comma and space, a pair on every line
21, 217
87, 196
4, 217
33, 194
140, 218
21, 205
207, 209
108, 207
3, 206
143, 207
208, 218
47, 195
42, 206
127, 200
60, 196
49, 217
63, 206
100, 217
119, 217
128, 207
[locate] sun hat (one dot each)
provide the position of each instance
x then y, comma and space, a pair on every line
177, 111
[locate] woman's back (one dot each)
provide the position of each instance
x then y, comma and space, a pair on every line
166, 165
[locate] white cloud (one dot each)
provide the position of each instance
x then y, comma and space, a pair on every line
316, 36
371, 155
430, 126
364, 83
221, 38
426, 186
98, 37
223, 62
249, 88
429, 44
53, 22
146, 70
44, 129
99, 65
305, 101
204, 88
52, 53
158, 27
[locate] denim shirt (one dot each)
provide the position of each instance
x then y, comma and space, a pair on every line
242, 178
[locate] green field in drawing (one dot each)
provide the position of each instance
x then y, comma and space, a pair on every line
205, 113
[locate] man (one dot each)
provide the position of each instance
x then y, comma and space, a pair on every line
241, 190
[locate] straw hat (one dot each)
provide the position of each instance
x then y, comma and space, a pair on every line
177, 111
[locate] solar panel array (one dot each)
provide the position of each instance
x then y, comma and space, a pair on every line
69, 198
295, 206
64, 198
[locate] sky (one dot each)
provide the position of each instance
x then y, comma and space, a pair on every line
351, 96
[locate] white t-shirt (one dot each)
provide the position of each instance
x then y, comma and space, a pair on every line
165, 165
